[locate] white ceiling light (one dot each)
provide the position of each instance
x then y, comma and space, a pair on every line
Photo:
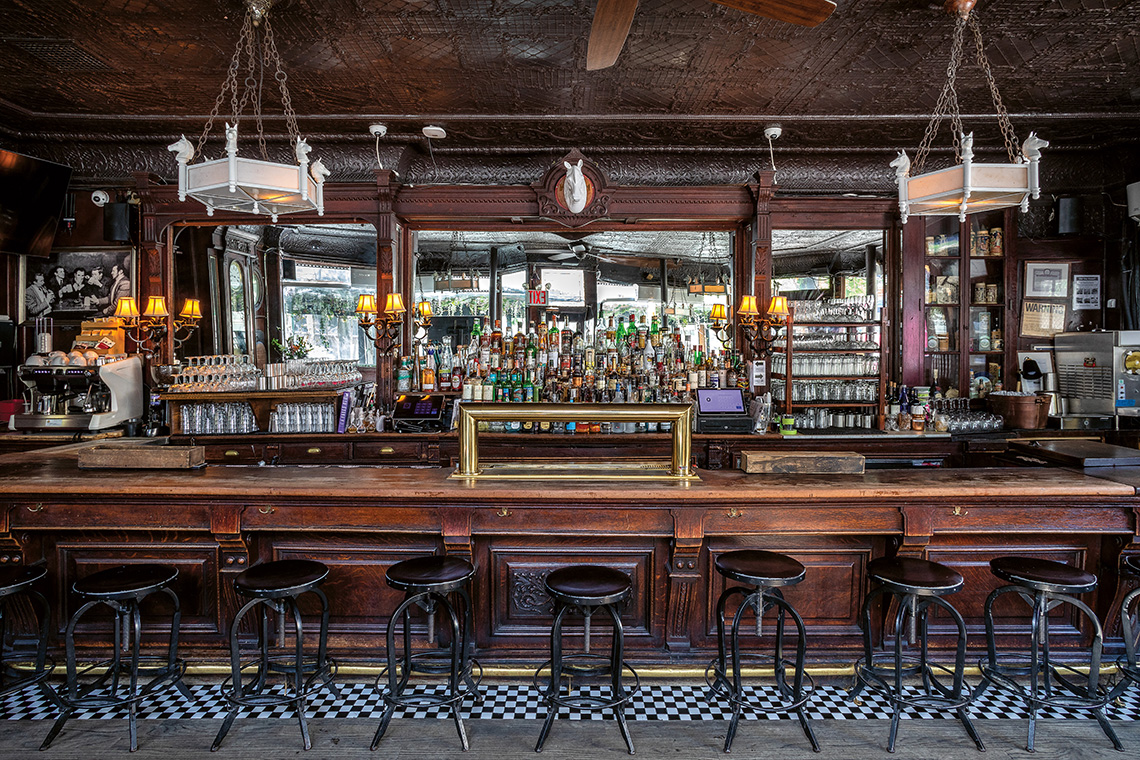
434, 133
249, 185
968, 187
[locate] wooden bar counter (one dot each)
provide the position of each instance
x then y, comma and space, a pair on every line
214, 522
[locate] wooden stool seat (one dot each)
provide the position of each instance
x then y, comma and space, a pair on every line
916, 576
433, 573
588, 585
1043, 574
125, 581
16, 578
283, 577
760, 568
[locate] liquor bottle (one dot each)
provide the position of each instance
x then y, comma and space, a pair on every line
446, 362
497, 336
427, 371
642, 333
655, 332
567, 338
404, 375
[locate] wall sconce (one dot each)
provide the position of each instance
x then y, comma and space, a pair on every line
422, 320
761, 331
146, 329
383, 329
187, 320
720, 325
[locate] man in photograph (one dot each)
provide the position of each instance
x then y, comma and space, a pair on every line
71, 295
95, 291
37, 298
120, 288
56, 283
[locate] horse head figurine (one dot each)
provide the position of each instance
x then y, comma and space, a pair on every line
902, 166
574, 188
231, 139
302, 151
319, 171
1032, 146
183, 150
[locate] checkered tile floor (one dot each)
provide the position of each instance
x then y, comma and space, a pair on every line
515, 701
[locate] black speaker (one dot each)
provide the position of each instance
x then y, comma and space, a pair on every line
1068, 216
117, 222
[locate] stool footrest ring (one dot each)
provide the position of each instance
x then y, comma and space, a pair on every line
318, 678
720, 684
875, 678
465, 690
1001, 678
584, 702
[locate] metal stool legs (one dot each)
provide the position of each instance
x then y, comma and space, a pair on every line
1048, 684
1130, 630
302, 678
559, 664
127, 639
760, 600
884, 672
12, 681
460, 681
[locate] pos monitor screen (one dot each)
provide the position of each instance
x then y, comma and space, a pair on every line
720, 401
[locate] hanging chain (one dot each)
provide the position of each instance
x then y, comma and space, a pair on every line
1012, 148
257, 58
947, 104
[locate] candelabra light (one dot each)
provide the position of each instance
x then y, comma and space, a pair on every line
721, 327
422, 320
148, 328
760, 331
383, 329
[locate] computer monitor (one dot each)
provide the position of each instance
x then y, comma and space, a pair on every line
720, 401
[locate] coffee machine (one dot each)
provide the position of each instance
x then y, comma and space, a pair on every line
86, 397
1098, 375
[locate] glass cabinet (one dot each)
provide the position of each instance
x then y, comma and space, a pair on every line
962, 299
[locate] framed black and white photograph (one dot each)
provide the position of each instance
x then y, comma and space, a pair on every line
1046, 280
76, 284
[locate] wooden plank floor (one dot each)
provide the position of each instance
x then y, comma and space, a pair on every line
345, 739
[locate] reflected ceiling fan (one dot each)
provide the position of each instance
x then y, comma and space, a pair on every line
612, 20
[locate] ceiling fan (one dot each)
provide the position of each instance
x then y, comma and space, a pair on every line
612, 20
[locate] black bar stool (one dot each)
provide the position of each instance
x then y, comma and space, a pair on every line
585, 589
1045, 585
765, 573
16, 581
276, 586
427, 582
1130, 629
122, 589
917, 585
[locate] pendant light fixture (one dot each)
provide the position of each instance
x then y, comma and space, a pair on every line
967, 187
250, 185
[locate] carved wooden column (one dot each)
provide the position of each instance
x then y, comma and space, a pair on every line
11, 551
155, 261
684, 577
757, 277
233, 557
918, 529
1124, 583
388, 250
455, 524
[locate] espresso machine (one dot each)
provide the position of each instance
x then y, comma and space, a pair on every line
1098, 376
86, 397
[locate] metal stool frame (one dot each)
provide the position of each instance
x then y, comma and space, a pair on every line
127, 638
615, 666
1130, 630
320, 671
459, 665
11, 680
760, 599
1001, 671
883, 672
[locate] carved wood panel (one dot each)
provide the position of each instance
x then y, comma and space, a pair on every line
513, 595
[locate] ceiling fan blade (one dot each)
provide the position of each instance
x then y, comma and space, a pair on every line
612, 20
799, 12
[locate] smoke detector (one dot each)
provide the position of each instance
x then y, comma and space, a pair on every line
377, 130
434, 132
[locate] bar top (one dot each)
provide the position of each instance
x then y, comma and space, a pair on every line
42, 474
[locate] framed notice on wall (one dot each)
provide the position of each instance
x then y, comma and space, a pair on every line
1042, 319
1046, 280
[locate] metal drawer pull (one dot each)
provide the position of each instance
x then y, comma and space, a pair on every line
233, 453
37, 508
387, 450
734, 512
314, 450
959, 512
503, 512
266, 510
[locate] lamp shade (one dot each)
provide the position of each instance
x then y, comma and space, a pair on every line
778, 307
366, 304
192, 309
394, 304
156, 307
423, 309
719, 313
747, 306
126, 308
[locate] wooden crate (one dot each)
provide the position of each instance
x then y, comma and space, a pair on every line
142, 457
803, 462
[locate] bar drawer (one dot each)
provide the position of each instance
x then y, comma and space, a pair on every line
389, 451
234, 453
323, 452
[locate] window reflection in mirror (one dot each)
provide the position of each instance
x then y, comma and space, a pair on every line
814, 265
239, 332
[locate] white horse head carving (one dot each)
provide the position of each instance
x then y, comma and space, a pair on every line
968, 147
183, 150
231, 139
302, 151
574, 188
901, 165
1032, 146
319, 171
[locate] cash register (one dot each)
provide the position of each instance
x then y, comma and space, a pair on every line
415, 413
722, 410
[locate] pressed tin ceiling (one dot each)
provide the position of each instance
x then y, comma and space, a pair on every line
507, 77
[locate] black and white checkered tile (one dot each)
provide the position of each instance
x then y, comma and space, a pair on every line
519, 701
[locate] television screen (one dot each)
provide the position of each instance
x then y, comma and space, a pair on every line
31, 201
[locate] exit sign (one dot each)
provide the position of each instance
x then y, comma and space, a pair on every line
536, 298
